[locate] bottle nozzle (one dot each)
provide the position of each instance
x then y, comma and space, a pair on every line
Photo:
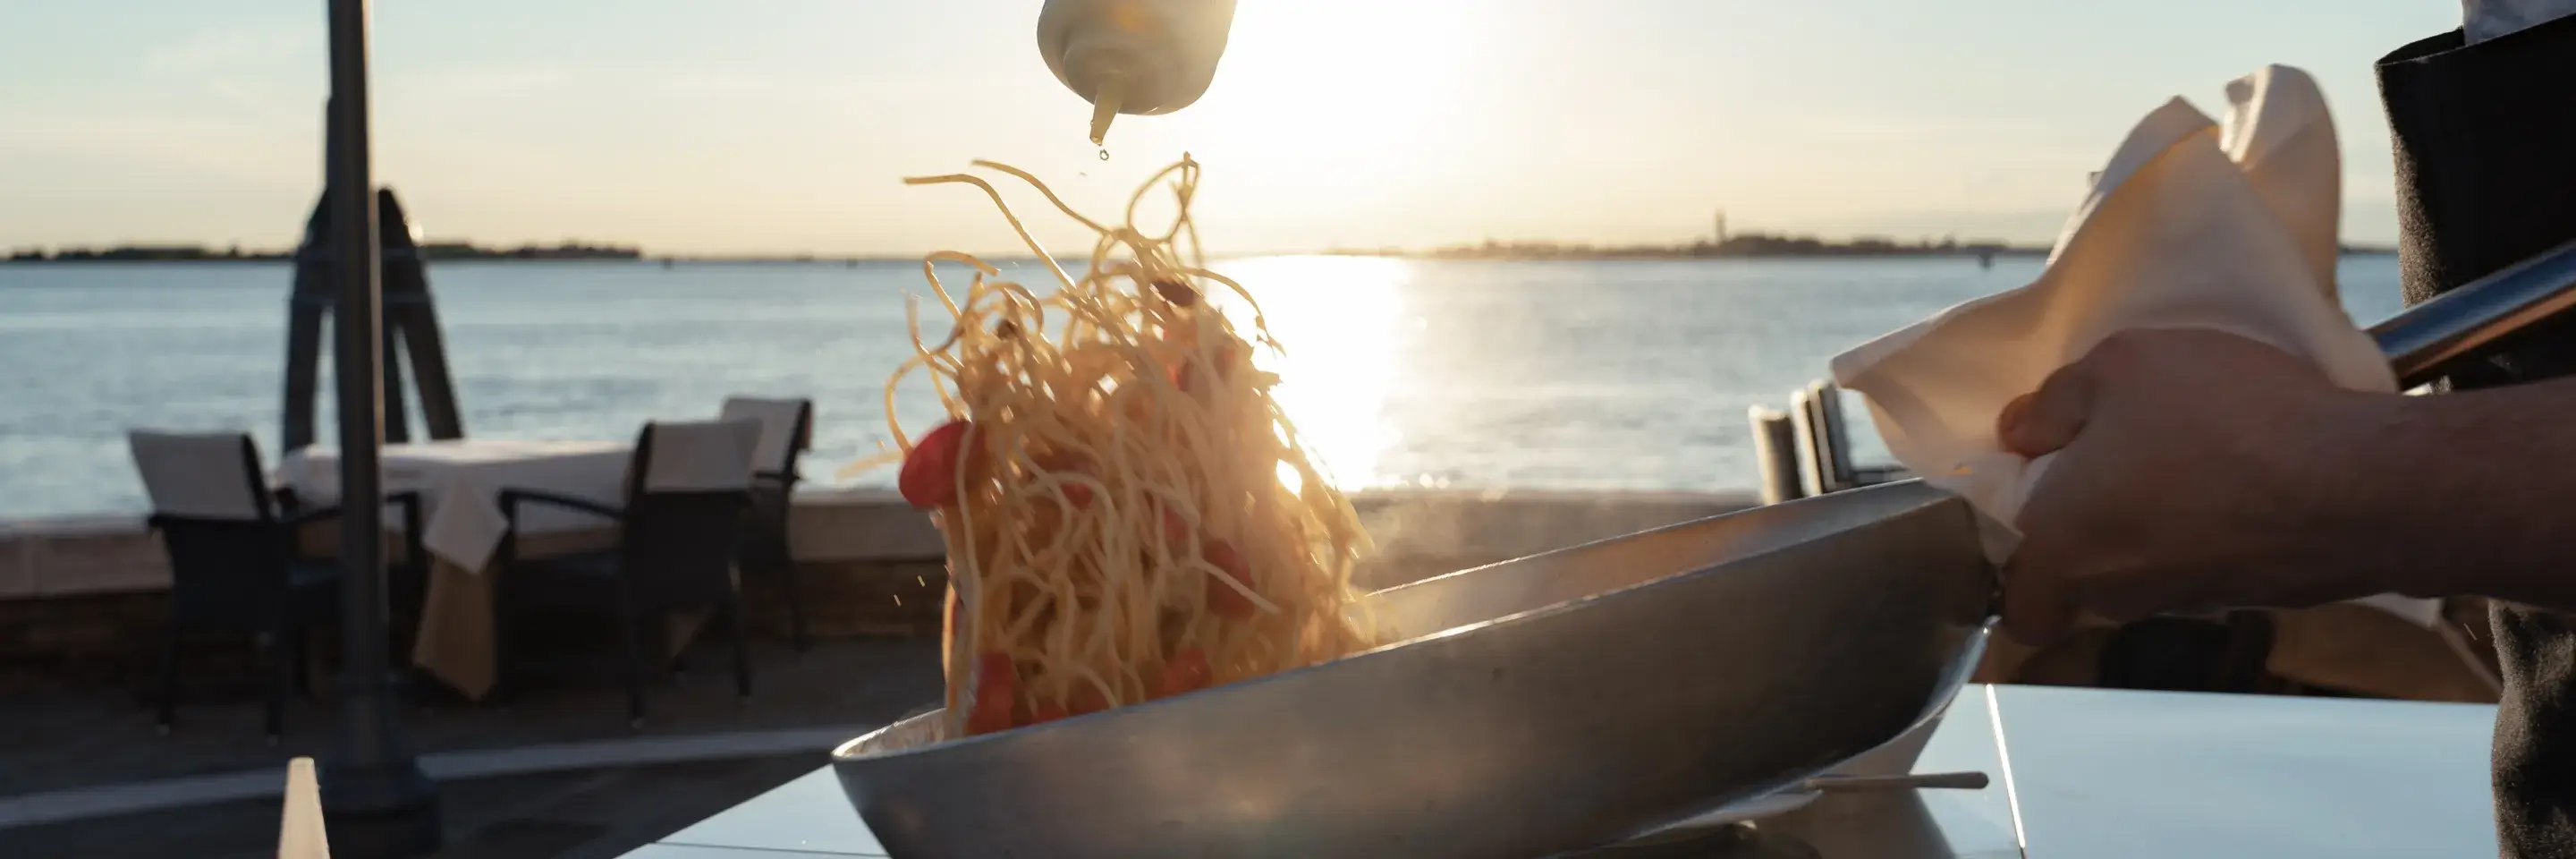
1104, 104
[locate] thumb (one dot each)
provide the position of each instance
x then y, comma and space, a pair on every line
2039, 423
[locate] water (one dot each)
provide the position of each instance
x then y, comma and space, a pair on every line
1571, 375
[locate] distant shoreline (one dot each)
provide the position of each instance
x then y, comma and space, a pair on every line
435, 251
1488, 252
1753, 246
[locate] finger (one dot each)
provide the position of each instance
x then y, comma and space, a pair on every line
2010, 420
2051, 416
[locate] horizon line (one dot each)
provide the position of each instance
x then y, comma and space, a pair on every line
16, 252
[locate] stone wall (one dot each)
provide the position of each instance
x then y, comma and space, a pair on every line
88, 595
79, 555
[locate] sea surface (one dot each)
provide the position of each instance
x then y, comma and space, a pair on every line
1562, 375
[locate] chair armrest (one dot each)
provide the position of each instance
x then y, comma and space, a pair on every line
510, 499
310, 515
407, 501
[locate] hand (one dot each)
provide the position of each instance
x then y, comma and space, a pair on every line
2195, 470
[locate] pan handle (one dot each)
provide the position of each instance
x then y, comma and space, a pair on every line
2427, 340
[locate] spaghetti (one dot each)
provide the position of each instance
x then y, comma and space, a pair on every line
1128, 513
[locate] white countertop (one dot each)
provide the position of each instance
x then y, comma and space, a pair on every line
2094, 774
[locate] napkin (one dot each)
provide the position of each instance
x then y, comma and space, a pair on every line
2193, 224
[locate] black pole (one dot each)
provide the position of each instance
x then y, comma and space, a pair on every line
375, 800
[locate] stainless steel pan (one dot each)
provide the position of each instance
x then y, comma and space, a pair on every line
1551, 703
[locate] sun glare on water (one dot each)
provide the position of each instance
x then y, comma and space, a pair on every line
1337, 317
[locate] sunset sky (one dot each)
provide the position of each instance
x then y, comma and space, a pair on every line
695, 126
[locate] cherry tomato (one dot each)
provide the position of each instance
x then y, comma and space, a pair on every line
1057, 461
986, 722
1085, 699
1047, 712
1187, 672
929, 477
1221, 597
996, 690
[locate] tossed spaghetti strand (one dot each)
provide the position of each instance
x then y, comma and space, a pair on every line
1108, 482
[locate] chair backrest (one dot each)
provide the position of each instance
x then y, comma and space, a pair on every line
786, 429
764, 539
201, 475
683, 510
1836, 432
786, 432
1824, 445
211, 507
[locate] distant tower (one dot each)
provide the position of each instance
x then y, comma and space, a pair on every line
1721, 226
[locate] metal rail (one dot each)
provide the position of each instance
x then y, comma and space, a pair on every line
2423, 343
2428, 340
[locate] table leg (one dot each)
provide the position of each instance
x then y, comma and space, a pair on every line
682, 627
455, 643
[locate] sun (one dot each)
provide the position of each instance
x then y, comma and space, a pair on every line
1332, 79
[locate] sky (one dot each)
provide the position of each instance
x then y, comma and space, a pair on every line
784, 126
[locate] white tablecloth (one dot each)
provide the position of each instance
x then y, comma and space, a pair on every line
460, 483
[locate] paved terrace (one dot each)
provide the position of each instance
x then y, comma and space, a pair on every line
555, 772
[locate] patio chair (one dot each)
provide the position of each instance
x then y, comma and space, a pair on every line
686, 489
786, 431
233, 559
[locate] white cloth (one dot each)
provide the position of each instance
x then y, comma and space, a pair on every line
460, 483
197, 475
2192, 225
2488, 19
706, 456
777, 419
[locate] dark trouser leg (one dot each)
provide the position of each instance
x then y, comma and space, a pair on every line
2485, 138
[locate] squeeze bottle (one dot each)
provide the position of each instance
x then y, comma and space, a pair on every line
1143, 57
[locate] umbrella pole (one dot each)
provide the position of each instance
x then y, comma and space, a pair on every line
376, 801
